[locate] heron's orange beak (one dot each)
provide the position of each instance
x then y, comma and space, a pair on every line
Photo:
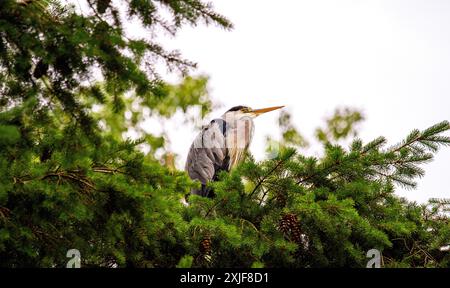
258, 112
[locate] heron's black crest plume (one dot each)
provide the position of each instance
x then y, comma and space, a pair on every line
237, 108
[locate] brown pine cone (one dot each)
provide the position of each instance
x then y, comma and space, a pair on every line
296, 235
281, 199
205, 245
289, 225
283, 225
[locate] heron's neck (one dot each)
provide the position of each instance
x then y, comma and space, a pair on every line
234, 123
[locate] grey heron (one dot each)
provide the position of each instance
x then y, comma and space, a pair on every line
221, 145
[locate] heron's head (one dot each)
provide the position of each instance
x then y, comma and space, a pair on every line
244, 112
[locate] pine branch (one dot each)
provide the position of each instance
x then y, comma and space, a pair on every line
278, 165
440, 201
107, 170
427, 138
329, 169
71, 176
398, 164
223, 200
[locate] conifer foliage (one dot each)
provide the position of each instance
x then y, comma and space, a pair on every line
67, 182
298, 211
70, 181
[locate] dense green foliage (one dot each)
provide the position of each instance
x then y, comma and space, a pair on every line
69, 181
297, 211
66, 181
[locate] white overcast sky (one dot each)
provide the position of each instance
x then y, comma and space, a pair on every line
389, 58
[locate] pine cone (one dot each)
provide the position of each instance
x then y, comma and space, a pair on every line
205, 245
205, 250
296, 235
291, 219
283, 226
281, 199
290, 227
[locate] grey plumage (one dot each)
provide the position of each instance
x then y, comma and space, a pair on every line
213, 151
221, 145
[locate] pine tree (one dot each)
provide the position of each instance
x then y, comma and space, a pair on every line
298, 211
66, 181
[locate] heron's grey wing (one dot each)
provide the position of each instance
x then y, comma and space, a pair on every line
207, 155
